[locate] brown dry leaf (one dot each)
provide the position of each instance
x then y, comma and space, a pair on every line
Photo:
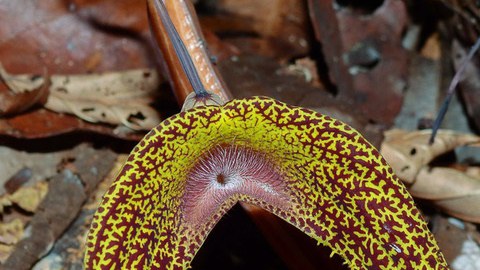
432, 48
455, 192
43, 123
61, 37
49, 36
68, 250
21, 83
10, 234
305, 68
67, 191
20, 92
408, 152
127, 14
27, 197
21, 168
113, 98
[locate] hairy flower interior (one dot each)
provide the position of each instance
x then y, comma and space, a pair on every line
227, 171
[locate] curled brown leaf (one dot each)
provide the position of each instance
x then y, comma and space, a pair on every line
19, 92
27, 198
114, 97
408, 152
455, 192
10, 233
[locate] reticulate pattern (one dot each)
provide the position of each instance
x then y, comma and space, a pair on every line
313, 171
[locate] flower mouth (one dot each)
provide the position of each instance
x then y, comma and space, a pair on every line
221, 179
226, 174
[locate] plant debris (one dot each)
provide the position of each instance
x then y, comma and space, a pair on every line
72, 72
94, 97
67, 192
410, 154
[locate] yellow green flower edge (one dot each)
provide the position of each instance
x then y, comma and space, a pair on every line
313, 171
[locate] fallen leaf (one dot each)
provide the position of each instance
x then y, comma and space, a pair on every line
67, 191
408, 152
69, 249
18, 180
114, 97
10, 233
26, 168
19, 84
453, 191
432, 48
125, 14
44, 123
306, 68
27, 198
52, 38
20, 92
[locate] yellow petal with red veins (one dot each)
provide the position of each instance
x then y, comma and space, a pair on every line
311, 170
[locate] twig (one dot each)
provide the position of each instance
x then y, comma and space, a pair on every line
451, 90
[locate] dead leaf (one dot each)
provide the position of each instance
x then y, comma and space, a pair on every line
17, 180
19, 92
51, 38
10, 233
453, 191
20, 168
432, 48
408, 152
43, 123
19, 84
66, 194
68, 251
114, 97
27, 197
126, 14
306, 68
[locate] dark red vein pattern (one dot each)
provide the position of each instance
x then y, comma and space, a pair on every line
313, 171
